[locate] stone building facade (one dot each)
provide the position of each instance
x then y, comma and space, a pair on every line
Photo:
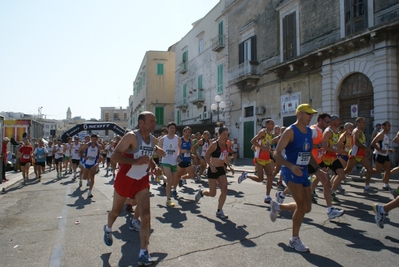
340, 56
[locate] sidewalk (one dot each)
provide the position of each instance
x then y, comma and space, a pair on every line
13, 178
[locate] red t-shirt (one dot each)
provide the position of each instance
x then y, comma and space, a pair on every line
26, 153
4, 152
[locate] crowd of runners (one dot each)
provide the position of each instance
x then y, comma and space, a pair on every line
304, 156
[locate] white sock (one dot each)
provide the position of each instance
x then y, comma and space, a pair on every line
142, 252
382, 210
109, 230
281, 194
293, 238
367, 187
329, 209
386, 185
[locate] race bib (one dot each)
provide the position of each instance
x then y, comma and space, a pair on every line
186, 155
90, 160
223, 155
303, 158
26, 156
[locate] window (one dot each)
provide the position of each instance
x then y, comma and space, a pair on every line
185, 94
116, 116
221, 39
289, 36
249, 112
185, 56
220, 79
159, 111
47, 126
106, 116
201, 45
200, 88
160, 69
247, 50
125, 116
355, 16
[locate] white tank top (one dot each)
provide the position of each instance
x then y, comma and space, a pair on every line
384, 145
67, 151
60, 153
171, 148
75, 151
205, 146
143, 149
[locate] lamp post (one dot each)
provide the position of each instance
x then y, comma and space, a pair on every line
215, 107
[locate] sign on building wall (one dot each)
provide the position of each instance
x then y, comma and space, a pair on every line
354, 111
289, 103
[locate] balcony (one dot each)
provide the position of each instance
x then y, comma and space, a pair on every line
218, 43
199, 102
245, 76
182, 105
183, 67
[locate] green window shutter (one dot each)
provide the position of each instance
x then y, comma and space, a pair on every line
200, 87
221, 33
184, 94
220, 79
178, 117
159, 115
160, 69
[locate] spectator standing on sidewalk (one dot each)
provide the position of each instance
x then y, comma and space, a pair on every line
4, 156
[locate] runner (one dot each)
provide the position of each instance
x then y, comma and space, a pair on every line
277, 168
50, 155
109, 150
58, 152
297, 142
381, 211
134, 154
380, 143
235, 147
185, 170
217, 159
25, 159
91, 153
40, 154
75, 147
171, 144
196, 152
262, 141
358, 154
67, 156
330, 157
114, 164
202, 146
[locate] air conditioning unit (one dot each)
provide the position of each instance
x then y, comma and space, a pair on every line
260, 110
207, 115
201, 116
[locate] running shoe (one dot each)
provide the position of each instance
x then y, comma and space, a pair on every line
386, 188
220, 214
369, 190
242, 177
87, 183
335, 213
80, 183
334, 197
40, 178
274, 208
314, 200
394, 193
174, 193
298, 245
267, 200
379, 217
107, 237
89, 194
279, 198
198, 195
169, 203
362, 172
134, 225
145, 259
181, 183
341, 190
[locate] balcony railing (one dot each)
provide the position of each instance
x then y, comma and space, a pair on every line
182, 105
248, 68
218, 43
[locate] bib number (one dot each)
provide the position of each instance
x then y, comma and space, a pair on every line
303, 158
26, 156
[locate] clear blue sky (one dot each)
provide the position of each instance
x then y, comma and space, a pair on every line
83, 53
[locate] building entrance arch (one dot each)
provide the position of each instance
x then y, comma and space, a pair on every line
357, 96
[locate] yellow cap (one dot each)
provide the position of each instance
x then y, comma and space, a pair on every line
306, 108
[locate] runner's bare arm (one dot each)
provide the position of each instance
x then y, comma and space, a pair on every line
208, 153
257, 137
324, 142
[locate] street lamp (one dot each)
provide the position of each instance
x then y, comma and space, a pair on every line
219, 105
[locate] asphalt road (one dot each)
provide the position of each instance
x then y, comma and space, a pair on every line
38, 227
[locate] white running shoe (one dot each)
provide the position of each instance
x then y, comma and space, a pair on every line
134, 225
379, 217
279, 198
198, 195
221, 214
298, 245
274, 209
242, 177
335, 213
